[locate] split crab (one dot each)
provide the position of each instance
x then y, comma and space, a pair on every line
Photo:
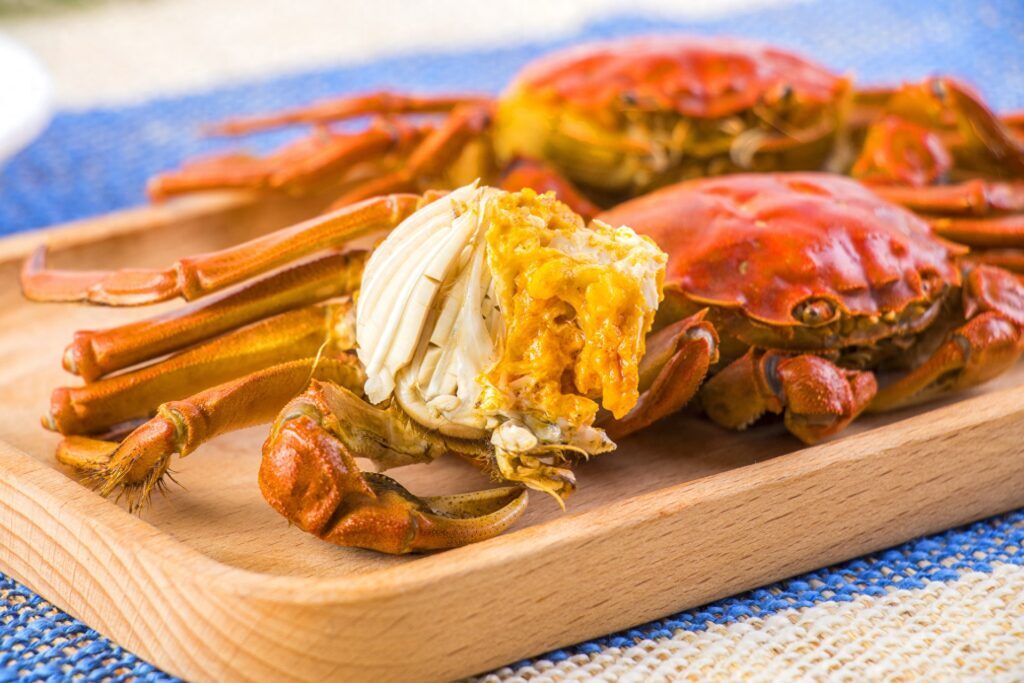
813, 284
605, 122
488, 324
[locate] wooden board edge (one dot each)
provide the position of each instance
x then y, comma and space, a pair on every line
123, 223
83, 533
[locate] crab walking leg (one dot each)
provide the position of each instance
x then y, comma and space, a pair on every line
1007, 259
437, 151
981, 125
969, 198
999, 231
310, 476
138, 463
989, 343
94, 353
675, 363
297, 164
979, 350
978, 213
818, 397
343, 108
1015, 122
196, 276
104, 403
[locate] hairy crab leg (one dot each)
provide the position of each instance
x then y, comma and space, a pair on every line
102, 404
94, 353
979, 350
137, 465
674, 365
434, 154
196, 276
299, 163
818, 397
343, 108
986, 345
310, 476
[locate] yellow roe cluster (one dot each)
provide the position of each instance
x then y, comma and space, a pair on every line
577, 303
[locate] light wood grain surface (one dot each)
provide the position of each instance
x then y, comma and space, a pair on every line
211, 584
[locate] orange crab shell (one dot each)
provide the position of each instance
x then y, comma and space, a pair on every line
768, 242
694, 76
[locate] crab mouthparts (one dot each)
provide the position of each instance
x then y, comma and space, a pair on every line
499, 316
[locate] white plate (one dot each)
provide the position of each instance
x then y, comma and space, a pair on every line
26, 98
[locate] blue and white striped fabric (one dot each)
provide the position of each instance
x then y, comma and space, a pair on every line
945, 606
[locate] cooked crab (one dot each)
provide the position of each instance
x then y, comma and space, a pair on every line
605, 122
814, 283
489, 324
615, 119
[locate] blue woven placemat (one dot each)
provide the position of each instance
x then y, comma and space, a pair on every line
93, 161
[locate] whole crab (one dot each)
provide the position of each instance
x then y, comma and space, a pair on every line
813, 283
605, 122
488, 324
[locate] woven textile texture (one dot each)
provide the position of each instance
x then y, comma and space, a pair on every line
947, 606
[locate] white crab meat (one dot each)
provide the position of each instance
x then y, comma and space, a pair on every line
497, 315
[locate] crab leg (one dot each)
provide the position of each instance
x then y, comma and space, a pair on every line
1000, 231
343, 108
299, 163
310, 476
970, 211
95, 353
975, 133
1007, 259
987, 344
137, 464
437, 151
104, 403
196, 276
979, 350
675, 363
1015, 122
973, 197
818, 397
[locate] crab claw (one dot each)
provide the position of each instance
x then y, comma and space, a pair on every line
818, 398
309, 475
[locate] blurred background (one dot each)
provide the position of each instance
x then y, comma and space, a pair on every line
134, 80
107, 51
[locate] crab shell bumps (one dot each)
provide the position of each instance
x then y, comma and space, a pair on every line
499, 316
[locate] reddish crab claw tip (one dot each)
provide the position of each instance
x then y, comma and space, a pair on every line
310, 476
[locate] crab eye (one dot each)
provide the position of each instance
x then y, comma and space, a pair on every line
931, 282
815, 311
779, 95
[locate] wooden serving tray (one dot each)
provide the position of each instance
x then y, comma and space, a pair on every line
211, 584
